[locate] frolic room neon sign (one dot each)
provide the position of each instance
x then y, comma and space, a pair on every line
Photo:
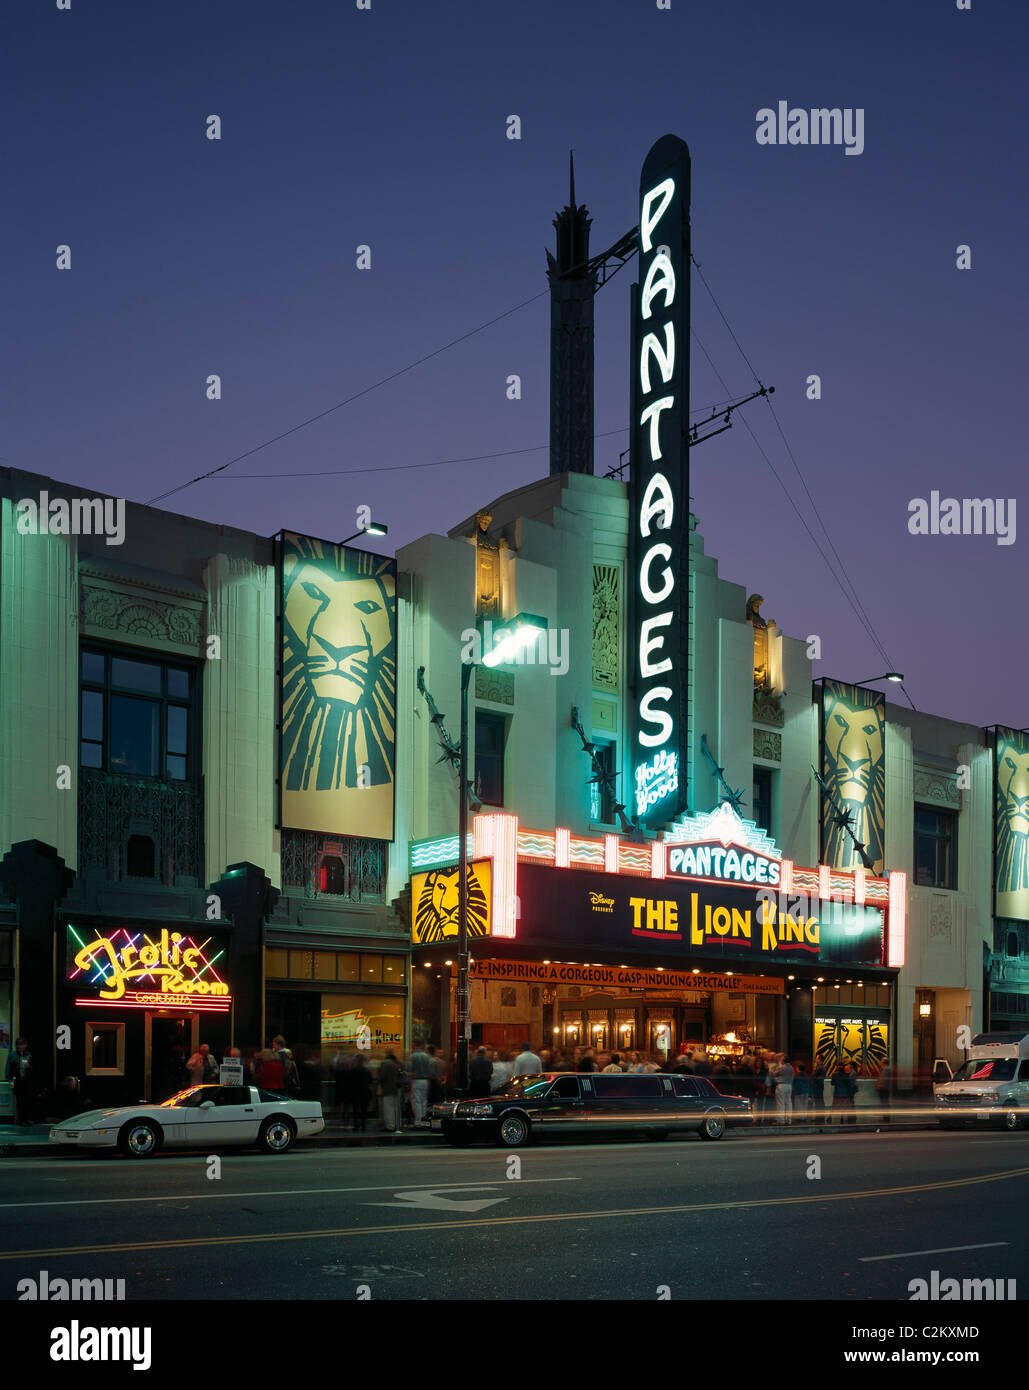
177, 969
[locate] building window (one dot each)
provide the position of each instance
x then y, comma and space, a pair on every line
935, 848
1012, 943
490, 734
105, 1049
137, 716
763, 799
602, 798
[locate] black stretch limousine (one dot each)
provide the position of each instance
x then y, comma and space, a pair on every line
592, 1103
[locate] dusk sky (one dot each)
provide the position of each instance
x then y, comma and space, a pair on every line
387, 127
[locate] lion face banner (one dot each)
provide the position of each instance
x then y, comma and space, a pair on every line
434, 904
854, 770
338, 694
1011, 824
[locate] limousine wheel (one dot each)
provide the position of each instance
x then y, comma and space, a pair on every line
1012, 1120
513, 1131
713, 1125
139, 1139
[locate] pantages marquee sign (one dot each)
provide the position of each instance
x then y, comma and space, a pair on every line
721, 845
659, 488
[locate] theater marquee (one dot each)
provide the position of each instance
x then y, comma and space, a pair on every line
561, 909
624, 977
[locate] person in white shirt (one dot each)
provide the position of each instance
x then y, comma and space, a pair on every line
502, 1068
615, 1064
527, 1063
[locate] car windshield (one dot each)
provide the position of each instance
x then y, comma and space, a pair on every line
524, 1086
986, 1069
194, 1096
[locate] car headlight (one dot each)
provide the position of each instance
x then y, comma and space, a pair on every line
482, 1110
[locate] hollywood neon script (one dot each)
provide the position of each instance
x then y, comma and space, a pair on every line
657, 779
657, 578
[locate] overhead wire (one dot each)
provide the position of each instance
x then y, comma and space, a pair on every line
853, 597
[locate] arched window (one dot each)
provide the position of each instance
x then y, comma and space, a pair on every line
1012, 943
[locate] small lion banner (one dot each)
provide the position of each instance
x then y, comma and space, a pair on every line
1011, 824
434, 904
337, 750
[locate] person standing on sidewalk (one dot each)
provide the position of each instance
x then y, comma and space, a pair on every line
844, 1088
883, 1087
816, 1085
389, 1089
527, 1063
419, 1068
23, 1081
784, 1092
800, 1091
480, 1073
360, 1092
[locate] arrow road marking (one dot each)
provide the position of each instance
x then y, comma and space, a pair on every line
433, 1201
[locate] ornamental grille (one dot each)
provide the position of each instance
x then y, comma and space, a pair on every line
114, 808
363, 877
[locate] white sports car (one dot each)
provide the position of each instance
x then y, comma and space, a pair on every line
204, 1117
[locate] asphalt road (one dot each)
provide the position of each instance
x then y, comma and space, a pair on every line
755, 1217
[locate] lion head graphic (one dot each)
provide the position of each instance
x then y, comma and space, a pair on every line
854, 768
1012, 823
436, 911
338, 666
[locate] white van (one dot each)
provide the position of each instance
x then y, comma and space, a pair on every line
991, 1087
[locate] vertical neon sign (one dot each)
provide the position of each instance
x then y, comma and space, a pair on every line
659, 490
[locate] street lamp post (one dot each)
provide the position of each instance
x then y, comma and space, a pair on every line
511, 639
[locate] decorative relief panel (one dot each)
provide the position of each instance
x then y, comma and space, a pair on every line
936, 787
491, 684
767, 745
139, 615
606, 613
768, 710
940, 929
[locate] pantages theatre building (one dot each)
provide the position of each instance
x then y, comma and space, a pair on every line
224, 812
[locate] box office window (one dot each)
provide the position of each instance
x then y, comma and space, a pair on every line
105, 1049
935, 848
349, 967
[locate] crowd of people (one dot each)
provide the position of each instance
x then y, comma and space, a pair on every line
400, 1092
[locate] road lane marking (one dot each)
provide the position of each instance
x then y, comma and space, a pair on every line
195, 1242
282, 1192
940, 1250
432, 1201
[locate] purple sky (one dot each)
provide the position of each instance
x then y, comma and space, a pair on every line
387, 127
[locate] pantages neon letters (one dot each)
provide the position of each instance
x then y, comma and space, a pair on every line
660, 491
